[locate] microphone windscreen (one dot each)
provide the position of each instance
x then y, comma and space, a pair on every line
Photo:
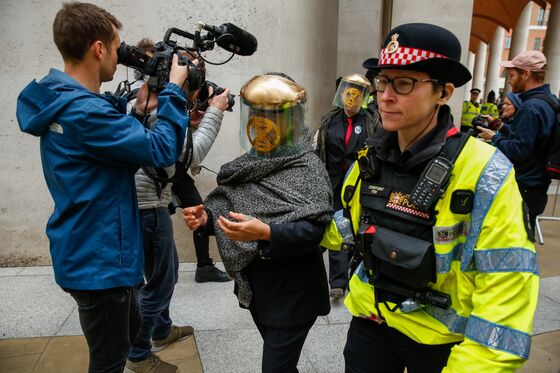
236, 40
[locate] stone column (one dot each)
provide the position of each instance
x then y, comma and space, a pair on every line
519, 37
470, 65
480, 67
552, 48
493, 70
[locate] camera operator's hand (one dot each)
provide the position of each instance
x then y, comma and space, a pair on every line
145, 95
486, 133
179, 73
195, 217
493, 123
246, 228
195, 118
220, 102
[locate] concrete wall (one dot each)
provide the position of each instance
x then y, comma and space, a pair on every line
454, 15
358, 35
296, 37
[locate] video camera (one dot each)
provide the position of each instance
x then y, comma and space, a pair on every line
158, 66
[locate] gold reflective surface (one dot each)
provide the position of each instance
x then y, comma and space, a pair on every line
272, 91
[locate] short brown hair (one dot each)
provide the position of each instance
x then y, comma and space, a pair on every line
77, 25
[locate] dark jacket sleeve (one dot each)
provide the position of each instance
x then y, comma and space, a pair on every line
519, 146
293, 239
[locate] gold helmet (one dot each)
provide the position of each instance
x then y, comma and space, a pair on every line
352, 92
272, 115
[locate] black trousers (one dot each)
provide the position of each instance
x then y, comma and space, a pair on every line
536, 199
281, 346
378, 348
109, 320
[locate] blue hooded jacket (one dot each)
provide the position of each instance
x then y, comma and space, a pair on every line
90, 151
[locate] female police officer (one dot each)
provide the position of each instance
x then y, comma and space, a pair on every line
449, 278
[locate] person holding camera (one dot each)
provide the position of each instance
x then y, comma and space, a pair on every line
527, 140
447, 279
90, 151
268, 214
161, 263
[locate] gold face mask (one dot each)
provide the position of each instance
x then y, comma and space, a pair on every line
352, 97
263, 134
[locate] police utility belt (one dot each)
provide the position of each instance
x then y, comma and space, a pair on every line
400, 267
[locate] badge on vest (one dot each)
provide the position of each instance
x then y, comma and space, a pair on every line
358, 130
400, 202
445, 235
375, 190
462, 201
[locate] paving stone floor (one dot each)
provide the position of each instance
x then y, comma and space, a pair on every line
40, 332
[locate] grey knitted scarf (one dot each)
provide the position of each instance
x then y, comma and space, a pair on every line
275, 190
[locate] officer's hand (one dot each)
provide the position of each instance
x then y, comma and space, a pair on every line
195, 217
145, 94
244, 228
220, 102
178, 73
486, 133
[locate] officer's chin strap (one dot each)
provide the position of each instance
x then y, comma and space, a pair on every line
423, 130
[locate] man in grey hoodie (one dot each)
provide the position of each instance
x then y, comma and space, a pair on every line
160, 254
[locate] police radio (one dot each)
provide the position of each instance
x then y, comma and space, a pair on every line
432, 183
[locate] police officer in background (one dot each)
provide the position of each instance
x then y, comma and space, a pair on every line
342, 132
448, 278
490, 107
471, 109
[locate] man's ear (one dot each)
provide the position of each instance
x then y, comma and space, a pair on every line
98, 49
446, 93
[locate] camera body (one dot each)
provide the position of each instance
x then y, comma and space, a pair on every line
479, 121
204, 97
158, 66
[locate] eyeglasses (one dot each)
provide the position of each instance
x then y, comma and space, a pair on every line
401, 86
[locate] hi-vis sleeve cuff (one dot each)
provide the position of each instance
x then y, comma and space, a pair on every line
338, 232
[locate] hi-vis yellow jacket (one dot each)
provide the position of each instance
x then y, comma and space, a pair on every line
490, 108
485, 262
469, 111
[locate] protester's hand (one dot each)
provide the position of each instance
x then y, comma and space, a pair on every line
145, 94
178, 73
485, 133
220, 101
195, 217
244, 228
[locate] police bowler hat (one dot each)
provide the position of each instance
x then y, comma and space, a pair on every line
426, 48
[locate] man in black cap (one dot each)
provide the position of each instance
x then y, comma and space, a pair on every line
447, 278
471, 108
371, 103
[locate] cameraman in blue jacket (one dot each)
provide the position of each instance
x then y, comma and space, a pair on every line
90, 151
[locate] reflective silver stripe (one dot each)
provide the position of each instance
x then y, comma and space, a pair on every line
506, 260
498, 337
454, 323
361, 273
348, 172
487, 186
344, 227
443, 261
